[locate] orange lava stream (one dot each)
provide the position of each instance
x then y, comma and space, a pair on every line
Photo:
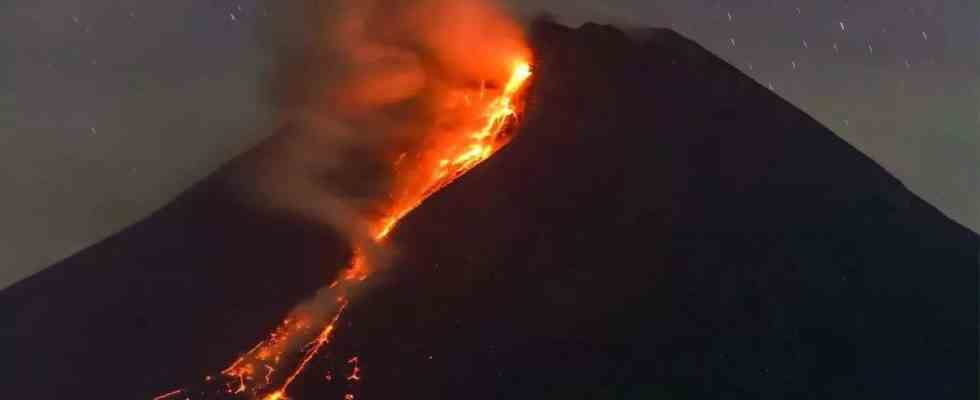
313, 348
250, 373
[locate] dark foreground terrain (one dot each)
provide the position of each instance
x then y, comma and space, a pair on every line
662, 227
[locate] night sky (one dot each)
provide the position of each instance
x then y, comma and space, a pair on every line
108, 109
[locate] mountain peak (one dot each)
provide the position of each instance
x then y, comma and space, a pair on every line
660, 226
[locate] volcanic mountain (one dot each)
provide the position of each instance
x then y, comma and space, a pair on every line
661, 226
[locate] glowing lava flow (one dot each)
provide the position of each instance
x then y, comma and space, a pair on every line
251, 375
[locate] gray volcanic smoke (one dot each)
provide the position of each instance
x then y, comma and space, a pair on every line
362, 89
382, 104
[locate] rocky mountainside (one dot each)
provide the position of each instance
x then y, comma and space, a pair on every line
662, 226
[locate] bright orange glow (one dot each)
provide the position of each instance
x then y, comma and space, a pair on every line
266, 371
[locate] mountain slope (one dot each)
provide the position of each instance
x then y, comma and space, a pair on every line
166, 301
661, 227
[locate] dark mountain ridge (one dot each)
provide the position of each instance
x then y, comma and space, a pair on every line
662, 226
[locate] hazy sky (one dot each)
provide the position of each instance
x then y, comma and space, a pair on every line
108, 109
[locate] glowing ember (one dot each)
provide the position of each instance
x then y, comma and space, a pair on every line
267, 370
169, 394
355, 375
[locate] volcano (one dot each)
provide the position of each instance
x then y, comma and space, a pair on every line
660, 226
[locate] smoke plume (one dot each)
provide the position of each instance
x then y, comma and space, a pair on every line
379, 103
362, 89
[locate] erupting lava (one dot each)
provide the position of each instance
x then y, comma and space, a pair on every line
267, 370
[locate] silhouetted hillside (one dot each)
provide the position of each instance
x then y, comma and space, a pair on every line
164, 302
661, 227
